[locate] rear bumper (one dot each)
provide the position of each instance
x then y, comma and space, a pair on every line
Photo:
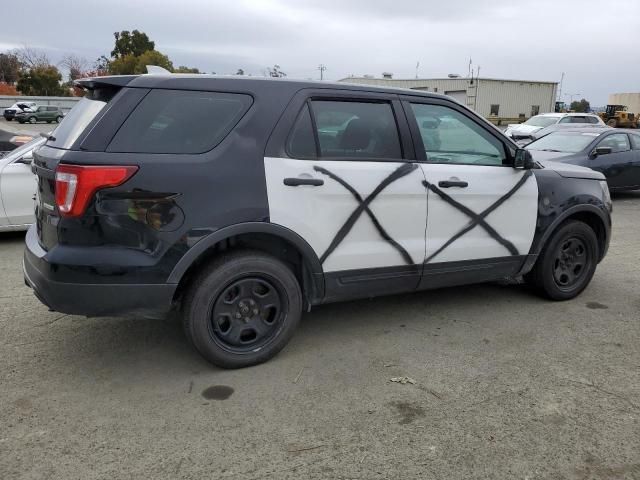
81, 298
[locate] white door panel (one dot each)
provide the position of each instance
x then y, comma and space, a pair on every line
17, 187
318, 213
514, 220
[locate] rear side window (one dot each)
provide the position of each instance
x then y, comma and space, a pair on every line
180, 121
345, 129
635, 141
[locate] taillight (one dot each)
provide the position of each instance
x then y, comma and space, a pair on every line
76, 184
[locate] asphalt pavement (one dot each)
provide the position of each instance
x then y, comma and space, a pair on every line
507, 386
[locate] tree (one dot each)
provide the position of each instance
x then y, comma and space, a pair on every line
240, 72
131, 43
102, 65
9, 68
32, 57
276, 72
183, 69
76, 66
41, 81
133, 65
582, 106
6, 89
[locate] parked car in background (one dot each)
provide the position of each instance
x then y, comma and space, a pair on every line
523, 131
43, 113
522, 141
10, 113
18, 187
242, 202
614, 152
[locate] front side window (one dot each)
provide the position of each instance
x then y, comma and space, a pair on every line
635, 141
180, 121
356, 130
450, 137
617, 142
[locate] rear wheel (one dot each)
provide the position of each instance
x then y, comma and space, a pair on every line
9, 119
59, 119
612, 123
567, 262
242, 309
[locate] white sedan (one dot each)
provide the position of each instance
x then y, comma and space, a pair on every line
523, 131
18, 187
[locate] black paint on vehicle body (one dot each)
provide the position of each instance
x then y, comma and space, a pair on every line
136, 243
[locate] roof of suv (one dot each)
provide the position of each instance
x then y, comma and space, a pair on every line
201, 81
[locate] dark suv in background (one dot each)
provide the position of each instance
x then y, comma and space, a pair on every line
42, 113
240, 202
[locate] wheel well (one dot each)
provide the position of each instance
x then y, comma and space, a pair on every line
270, 244
596, 224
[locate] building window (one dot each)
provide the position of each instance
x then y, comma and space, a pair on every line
435, 89
535, 110
495, 110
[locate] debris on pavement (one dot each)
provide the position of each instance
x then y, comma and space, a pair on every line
403, 380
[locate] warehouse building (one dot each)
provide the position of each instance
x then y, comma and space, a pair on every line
630, 100
499, 100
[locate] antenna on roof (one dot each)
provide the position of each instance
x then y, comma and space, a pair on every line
155, 70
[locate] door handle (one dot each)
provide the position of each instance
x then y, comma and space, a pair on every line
294, 182
452, 183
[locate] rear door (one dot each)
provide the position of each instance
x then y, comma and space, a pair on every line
346, 182
17, 188
481, 211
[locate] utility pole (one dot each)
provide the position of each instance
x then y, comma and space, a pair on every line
417, 67
560, 89
571, 95
322, 68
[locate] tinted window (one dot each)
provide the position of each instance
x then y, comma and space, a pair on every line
593, 120
354, 129
450, 137
635, 141
302, 142
178, 121
618, 142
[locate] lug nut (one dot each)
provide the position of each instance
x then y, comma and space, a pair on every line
238, 315
255, 311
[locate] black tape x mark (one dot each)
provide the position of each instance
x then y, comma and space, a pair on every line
363, 206
478, 218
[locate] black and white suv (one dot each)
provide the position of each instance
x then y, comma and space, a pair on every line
243, 201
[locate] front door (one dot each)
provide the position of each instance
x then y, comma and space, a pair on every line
481, 211
345, 186
621, 165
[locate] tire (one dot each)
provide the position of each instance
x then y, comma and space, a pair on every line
49, 121
612, 123
567, 262
9, 119
242, 309
32, 120
59, 118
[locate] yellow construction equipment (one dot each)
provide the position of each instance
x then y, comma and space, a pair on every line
616, 116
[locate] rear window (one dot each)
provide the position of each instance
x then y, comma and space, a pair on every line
75, 122
179, 121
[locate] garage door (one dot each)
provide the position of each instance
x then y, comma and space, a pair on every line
459, 95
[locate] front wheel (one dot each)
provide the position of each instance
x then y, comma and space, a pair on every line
242, 309
32, 120
59, 119
567, 262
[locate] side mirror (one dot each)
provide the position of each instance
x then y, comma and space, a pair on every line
601, 151
523, 159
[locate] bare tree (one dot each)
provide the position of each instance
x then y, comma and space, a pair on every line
75, 64
32, 57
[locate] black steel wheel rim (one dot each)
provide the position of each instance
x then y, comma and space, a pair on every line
247, 314
571, 263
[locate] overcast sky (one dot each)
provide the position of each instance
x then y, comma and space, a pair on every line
596, 43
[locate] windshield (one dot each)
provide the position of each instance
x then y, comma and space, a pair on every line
569, 142
21, 150
541, 121
75, 122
